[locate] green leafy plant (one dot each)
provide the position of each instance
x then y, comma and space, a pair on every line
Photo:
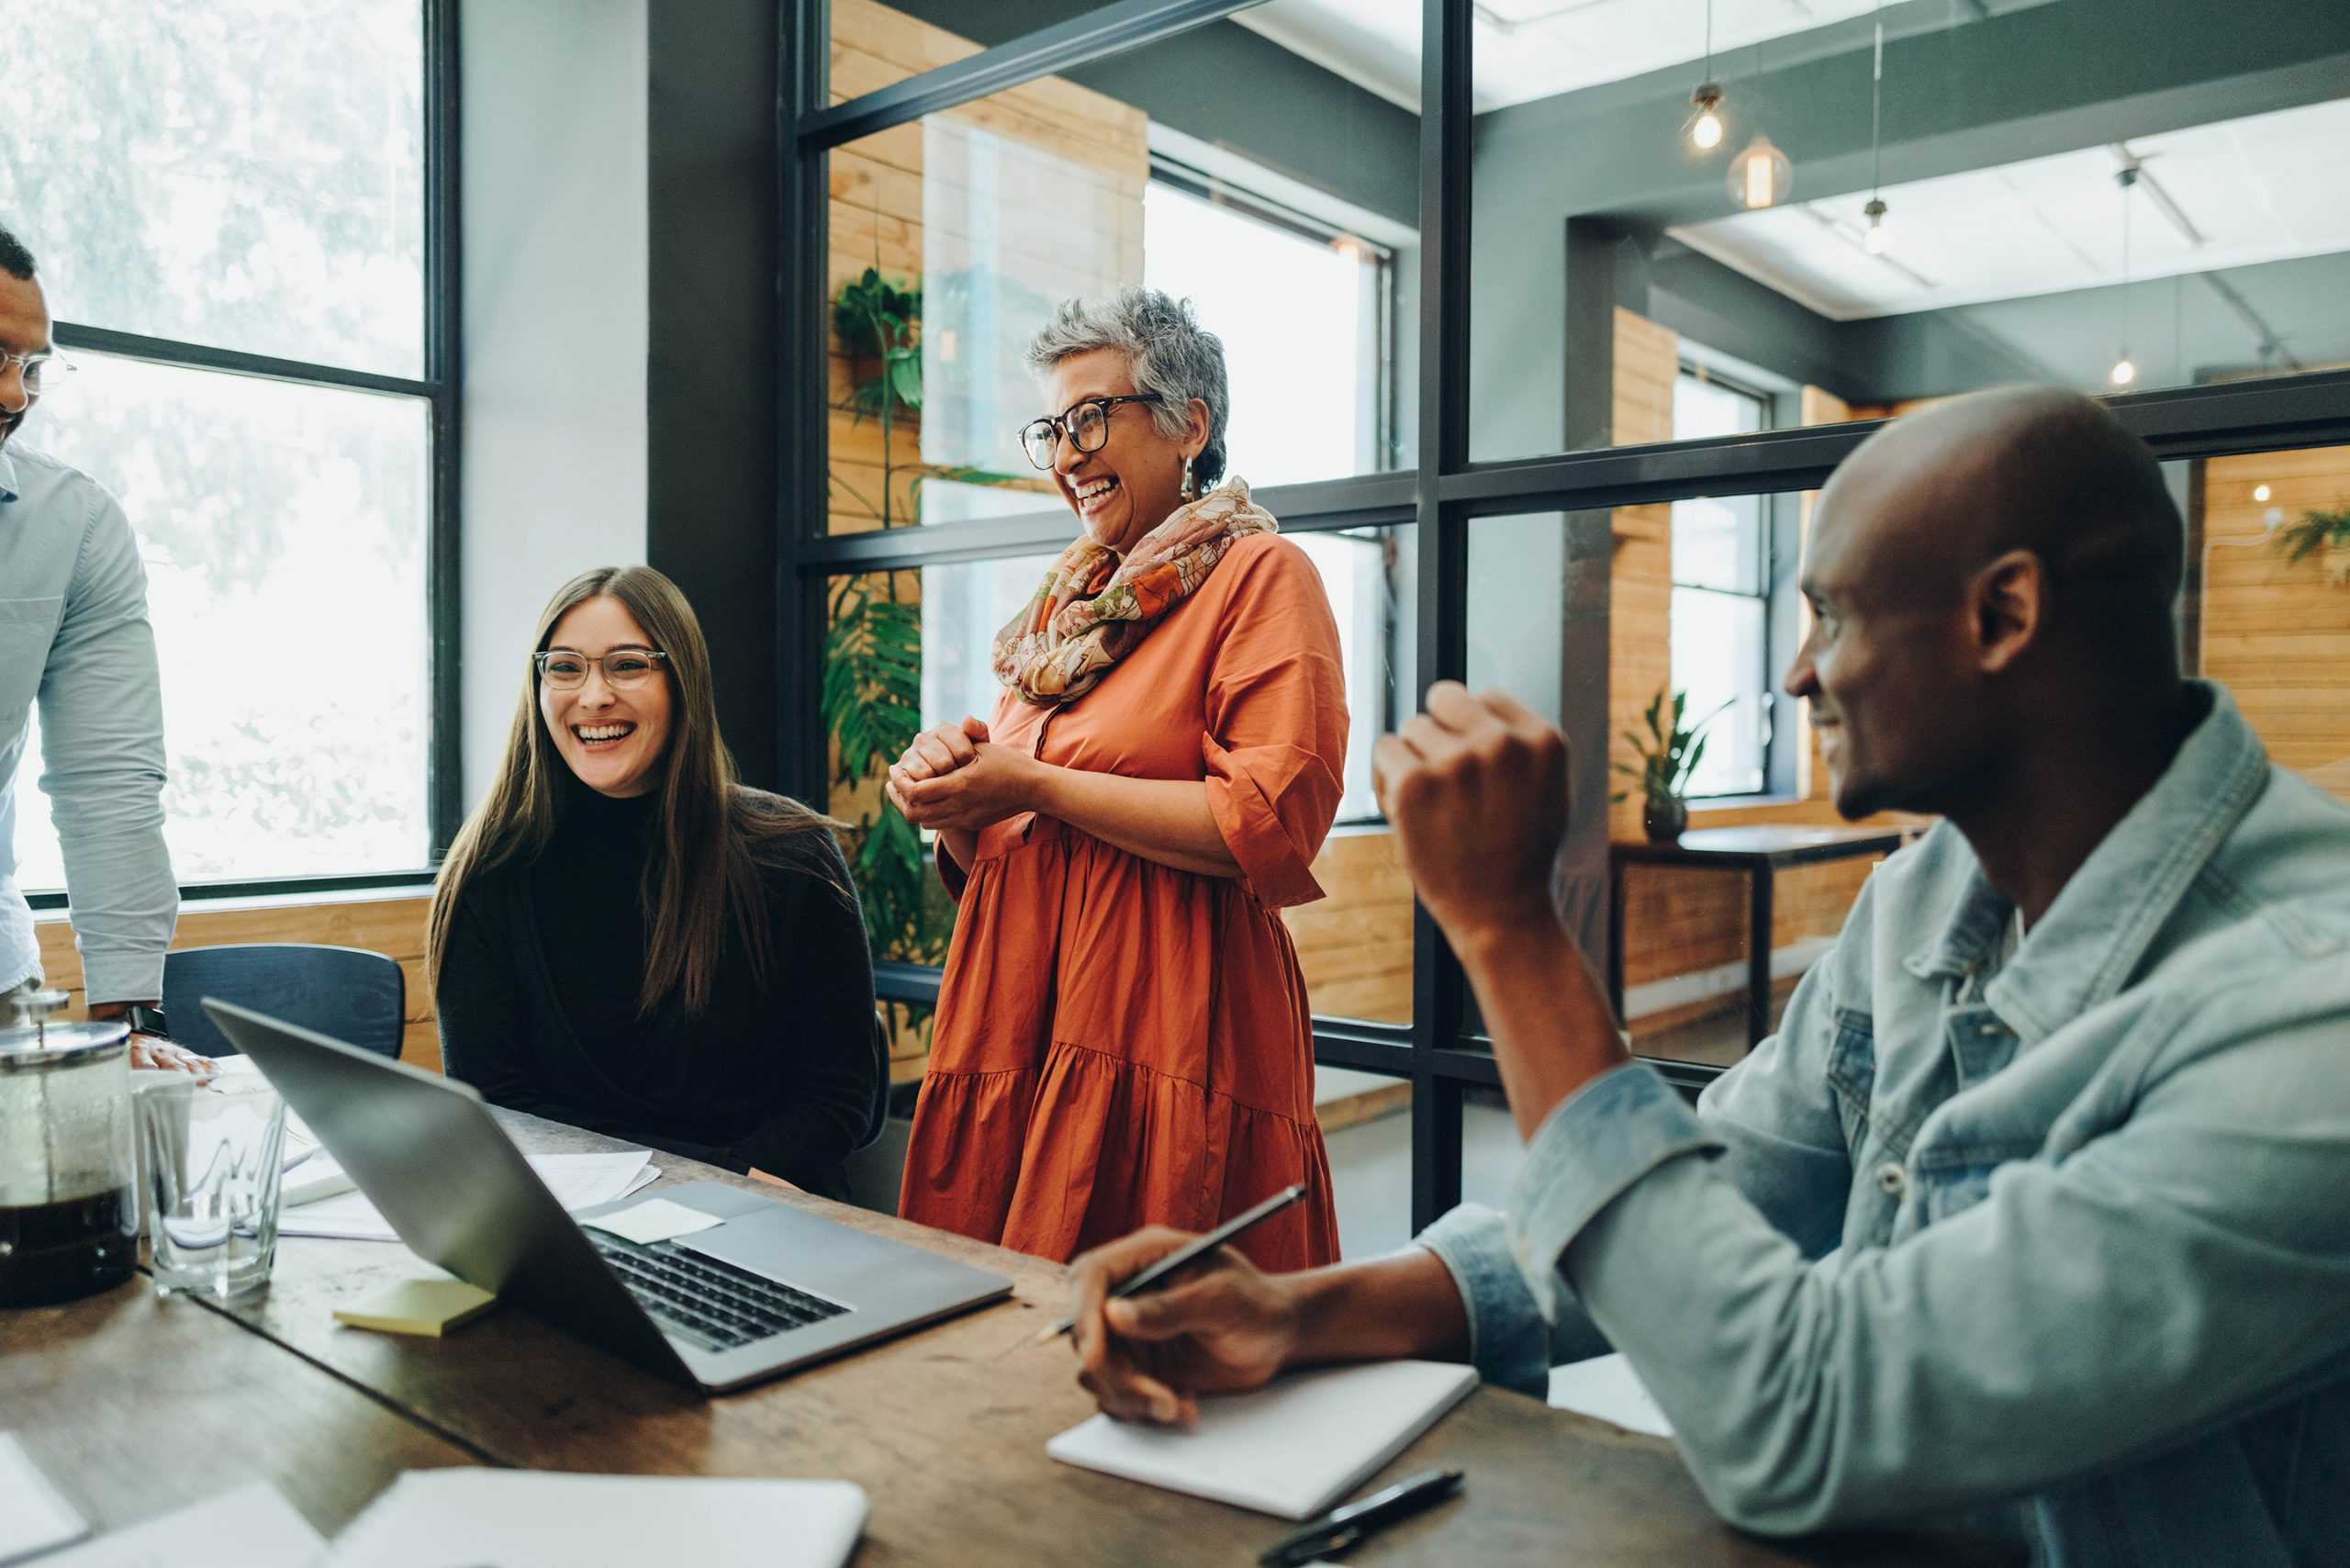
2319, 533
871, 701
1670, 753
877, 320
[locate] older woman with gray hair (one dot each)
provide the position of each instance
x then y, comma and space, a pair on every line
1122, 1037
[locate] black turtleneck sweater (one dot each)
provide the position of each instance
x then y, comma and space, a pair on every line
538, 1006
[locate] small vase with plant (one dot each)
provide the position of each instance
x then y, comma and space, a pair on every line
1668, 757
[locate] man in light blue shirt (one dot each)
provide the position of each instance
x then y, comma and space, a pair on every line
2033, 1213
74, 634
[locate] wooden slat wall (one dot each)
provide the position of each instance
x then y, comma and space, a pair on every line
1640, 639
1355, 945
393, 927
2279, 635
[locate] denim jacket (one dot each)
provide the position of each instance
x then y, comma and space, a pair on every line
2069, 1249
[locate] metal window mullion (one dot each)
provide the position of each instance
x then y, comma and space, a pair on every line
179, 352
1094, 35
1367, 500
444, 371
1438, 986
803, 439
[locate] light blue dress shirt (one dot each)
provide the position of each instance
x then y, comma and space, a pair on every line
74, 634
2067, 1251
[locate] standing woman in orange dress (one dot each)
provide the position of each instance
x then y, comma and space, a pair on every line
1123, 1036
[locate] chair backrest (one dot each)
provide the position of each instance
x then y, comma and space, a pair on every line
878, 1116
355, 996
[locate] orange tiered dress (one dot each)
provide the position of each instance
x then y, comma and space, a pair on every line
1119, 1043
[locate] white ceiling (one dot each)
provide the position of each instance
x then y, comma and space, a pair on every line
2259, 190
1533, 49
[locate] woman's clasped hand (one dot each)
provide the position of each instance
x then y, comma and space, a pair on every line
952, 779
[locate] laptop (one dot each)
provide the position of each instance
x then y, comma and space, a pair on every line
767, 1289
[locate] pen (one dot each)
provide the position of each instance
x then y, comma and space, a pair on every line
1342, 1528
1189, 1252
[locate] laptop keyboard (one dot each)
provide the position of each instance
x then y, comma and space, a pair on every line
713, 1305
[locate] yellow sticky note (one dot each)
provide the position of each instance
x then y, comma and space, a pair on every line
419, 1306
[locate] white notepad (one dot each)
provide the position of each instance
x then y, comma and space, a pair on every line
252, 1526
1292, 1449
522, 1518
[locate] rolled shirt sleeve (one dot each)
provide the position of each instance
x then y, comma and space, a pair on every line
102, 739
1276, 740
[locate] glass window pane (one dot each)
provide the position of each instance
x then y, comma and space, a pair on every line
284, 532
247, 174
2167, 219
1718, 648
1536, 584
1301, 336
1717, 543
953, 240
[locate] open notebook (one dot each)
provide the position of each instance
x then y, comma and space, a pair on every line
1292, 1449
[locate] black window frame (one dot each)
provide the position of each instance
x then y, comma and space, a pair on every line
1444, 492
439, 387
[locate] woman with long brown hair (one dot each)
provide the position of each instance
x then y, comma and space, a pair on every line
625, 938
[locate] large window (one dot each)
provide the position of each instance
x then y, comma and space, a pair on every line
240, 224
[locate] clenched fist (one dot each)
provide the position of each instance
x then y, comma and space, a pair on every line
1476, 788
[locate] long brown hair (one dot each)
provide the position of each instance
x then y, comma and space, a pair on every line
715, 834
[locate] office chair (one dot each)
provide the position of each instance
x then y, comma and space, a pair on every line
353, 995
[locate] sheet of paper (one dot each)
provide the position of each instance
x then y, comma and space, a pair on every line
655, 1219
252, 1526
1608, 1387
33, 1516
1292, 1448
578, 1180
542, 1519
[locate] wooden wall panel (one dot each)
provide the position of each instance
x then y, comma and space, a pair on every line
1355, 945
393, 925
2277, 635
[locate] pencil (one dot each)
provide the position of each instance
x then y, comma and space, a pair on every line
1189, 1252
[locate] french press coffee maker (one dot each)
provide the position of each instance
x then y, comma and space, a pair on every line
69, 1214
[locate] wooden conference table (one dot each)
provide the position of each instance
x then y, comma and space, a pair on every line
135, 1407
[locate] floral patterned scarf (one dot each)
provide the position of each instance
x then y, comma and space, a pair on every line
1092, 608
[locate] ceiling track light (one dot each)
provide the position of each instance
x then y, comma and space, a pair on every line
1874, 239
2125, 370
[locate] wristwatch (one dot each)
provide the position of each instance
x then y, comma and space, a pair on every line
146, 1020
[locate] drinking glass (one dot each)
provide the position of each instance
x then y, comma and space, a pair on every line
215, 1159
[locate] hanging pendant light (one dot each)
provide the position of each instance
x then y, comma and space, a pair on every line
2125, 369
1761, 176
1874, 239
1703, 126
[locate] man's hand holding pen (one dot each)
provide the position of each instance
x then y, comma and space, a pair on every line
1219, 1326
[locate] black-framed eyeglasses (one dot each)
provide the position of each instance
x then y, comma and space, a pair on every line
623, 668
1087, 425
44, 372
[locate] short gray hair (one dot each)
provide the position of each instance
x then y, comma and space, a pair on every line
1168, 352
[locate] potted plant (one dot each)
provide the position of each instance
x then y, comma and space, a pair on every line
1668, 757
2323, 533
